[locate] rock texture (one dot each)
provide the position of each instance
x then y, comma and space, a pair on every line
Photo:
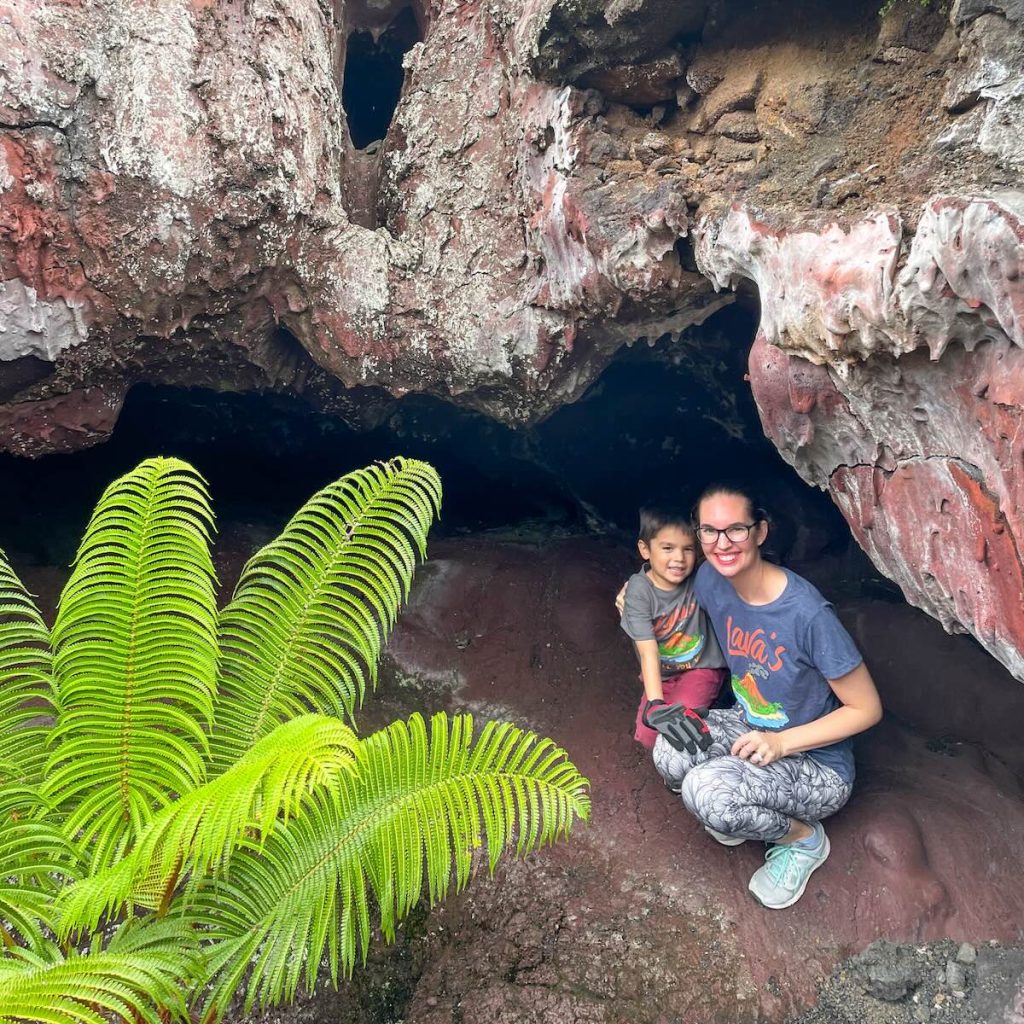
181, 202
903, 393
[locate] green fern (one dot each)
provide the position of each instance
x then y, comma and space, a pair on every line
140, 977
26, 697
135, 657
406, 826
34, 858
306, 624
198, 833
243, 882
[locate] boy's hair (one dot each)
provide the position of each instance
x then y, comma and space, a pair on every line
654, 518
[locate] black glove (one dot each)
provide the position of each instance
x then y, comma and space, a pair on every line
683, 727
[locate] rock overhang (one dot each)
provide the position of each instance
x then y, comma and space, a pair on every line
532, 207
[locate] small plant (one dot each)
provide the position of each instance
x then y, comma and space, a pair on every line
186, 813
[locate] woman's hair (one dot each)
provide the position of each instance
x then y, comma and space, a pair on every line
755, 510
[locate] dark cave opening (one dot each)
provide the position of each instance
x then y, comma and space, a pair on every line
661, 421
373, 79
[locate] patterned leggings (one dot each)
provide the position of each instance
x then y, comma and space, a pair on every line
741, 799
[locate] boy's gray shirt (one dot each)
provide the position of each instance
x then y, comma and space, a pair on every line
673, 618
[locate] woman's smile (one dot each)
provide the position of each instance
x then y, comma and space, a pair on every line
725, 559
730, 557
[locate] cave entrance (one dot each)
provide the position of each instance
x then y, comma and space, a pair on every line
372, 83
662, 421
512, 619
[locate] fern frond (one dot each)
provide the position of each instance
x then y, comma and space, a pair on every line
305, 627
26, 689
199, 832
135, 656
404, 827
135, 980
34, 858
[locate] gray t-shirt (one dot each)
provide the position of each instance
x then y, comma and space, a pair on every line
675, 620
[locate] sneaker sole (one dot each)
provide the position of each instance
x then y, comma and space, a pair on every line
725, 840
800, 891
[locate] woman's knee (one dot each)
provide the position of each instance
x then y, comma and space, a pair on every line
707, 791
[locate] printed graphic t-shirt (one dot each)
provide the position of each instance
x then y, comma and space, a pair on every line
781, 656
675, 620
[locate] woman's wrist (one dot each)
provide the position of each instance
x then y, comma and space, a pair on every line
784, 750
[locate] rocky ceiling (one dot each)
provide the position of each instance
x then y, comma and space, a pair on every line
185, 199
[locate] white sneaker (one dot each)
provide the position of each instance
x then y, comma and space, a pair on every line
721, 837
787, 870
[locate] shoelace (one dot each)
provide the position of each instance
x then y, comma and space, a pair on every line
783, 863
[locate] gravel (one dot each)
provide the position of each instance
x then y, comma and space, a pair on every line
925, 983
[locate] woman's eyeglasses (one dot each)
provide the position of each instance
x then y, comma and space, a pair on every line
737, 533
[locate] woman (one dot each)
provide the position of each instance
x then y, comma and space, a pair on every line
781, 760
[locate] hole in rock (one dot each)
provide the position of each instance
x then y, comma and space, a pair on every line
18, 374
373, 77
687, 258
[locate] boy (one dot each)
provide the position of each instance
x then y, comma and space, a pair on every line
681, 663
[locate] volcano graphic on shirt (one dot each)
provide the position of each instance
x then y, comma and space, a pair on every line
758, 710
676, 647
680, 648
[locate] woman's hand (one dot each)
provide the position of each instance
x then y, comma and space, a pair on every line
760, 748
620, 599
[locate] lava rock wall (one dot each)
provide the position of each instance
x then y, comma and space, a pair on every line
182, 202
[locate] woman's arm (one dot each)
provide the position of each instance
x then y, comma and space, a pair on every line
860, 709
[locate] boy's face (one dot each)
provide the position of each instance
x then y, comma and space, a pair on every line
672, 553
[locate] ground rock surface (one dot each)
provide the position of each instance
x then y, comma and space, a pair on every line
181, 201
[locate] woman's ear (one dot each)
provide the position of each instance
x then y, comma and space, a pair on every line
761, 532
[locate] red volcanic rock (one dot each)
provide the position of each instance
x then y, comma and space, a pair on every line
825, 293
922, 456
178, 181
640, 85
215, 191
943, 538
63, 423
923, 459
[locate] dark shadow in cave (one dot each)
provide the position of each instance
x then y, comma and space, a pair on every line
660, 423
18, 374
373, 79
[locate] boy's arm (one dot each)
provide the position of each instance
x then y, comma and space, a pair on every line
650, 668
683, 728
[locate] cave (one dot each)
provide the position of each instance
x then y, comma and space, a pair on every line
373, 77
512, 618
606, 252
667, 415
